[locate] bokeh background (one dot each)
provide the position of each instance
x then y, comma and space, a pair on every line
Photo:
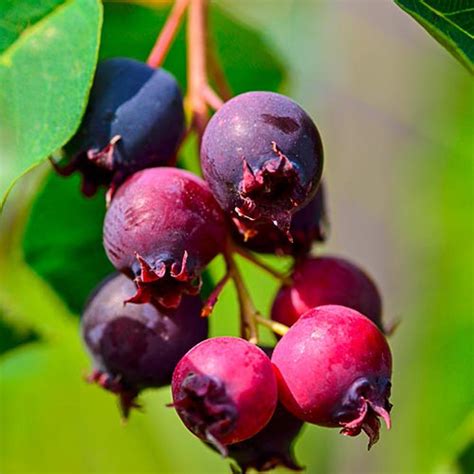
395, 111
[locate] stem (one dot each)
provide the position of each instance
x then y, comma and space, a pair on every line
217, 72
213, 297
197, 63
277, 328
212, 99
248, 312
285, 279
167, 34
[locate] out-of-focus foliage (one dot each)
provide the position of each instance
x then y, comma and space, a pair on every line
48, 52
451, 22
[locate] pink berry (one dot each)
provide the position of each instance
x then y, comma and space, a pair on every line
224, 390
162, 228
327, 280
333, 369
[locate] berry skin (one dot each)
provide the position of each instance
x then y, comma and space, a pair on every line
262, 156
224, 390
134, 120
161, 229
327, 280
308, 225
272, 446
137, 346
333, 368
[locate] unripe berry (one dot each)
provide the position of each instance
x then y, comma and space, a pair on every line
137, 346
134, 120
327, 280
262, 156
333, 369
224, 390
162, 228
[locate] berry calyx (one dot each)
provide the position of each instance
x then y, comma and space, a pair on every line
308, 225
224, 390
134, 347
318, 281
333, 369
262, 156
161, 229
134, 120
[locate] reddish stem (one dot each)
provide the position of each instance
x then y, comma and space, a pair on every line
211, 98
197, 63
217, 73
167, 34
214, 296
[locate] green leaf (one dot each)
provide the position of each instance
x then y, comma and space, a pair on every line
48, 52
63, 239
12, 336
451, 22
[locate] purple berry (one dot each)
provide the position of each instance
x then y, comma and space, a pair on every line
308, 225
134, 120
327, 280
162, 228
137, 346
333, 368
224, 390
262, 156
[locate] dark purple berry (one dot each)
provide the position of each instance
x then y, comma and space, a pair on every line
272, 446
327, 280
137, 346
333, 368
308, 225
262, 156
161, 229
224, 390
134, 120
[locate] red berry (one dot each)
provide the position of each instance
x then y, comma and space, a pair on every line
262, 156
327, 280
137, 346
273, 445
162, 228
224, 390
333, 369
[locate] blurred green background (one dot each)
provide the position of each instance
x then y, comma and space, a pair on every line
395, 111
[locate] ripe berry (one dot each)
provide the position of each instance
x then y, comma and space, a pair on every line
308, 225
162, 228
272, 446
134, 120
327, 280
262, 156
137, 346
224, 390
333, 369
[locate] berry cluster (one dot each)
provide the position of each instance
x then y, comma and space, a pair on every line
146, 325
